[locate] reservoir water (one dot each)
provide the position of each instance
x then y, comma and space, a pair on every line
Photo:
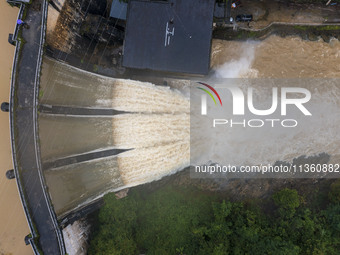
12, 221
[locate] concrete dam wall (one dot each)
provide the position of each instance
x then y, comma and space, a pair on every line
151, 132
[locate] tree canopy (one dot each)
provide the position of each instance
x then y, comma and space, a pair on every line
186, 221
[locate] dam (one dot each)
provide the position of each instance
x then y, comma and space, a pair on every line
152, 130
91, 134
153, 125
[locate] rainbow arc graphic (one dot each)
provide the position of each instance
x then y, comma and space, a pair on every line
209, 93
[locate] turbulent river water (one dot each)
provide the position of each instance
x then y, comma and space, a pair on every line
276, 57
156, 125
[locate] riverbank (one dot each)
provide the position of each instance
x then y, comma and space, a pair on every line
306, 31
266, 12
12, 221
310, 21
186, 220
243, 189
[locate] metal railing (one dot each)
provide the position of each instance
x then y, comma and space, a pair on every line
36, 129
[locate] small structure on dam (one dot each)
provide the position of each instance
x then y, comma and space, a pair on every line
172, 36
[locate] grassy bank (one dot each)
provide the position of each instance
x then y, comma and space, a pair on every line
173, 220
313, 33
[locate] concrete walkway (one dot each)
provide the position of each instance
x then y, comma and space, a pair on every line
46, 235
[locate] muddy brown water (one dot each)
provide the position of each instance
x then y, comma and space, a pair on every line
13, 225
276, 57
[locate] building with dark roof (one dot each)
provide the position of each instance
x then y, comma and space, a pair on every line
172, 36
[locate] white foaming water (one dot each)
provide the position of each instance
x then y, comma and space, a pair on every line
148, 130
241, 66
135, 96
76, 237
159, 134
148, 164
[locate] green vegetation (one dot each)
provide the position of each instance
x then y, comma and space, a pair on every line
334, 194
95, 68
303, 28
318, 28
175, 220
287, 201
328, 27
41, 93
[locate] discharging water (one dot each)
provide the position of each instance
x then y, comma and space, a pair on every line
64, 85
156, 125
276, 57
75, 184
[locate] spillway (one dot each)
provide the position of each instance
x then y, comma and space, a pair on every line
151, 124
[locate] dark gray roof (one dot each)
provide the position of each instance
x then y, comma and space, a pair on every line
170, 35
118, 10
